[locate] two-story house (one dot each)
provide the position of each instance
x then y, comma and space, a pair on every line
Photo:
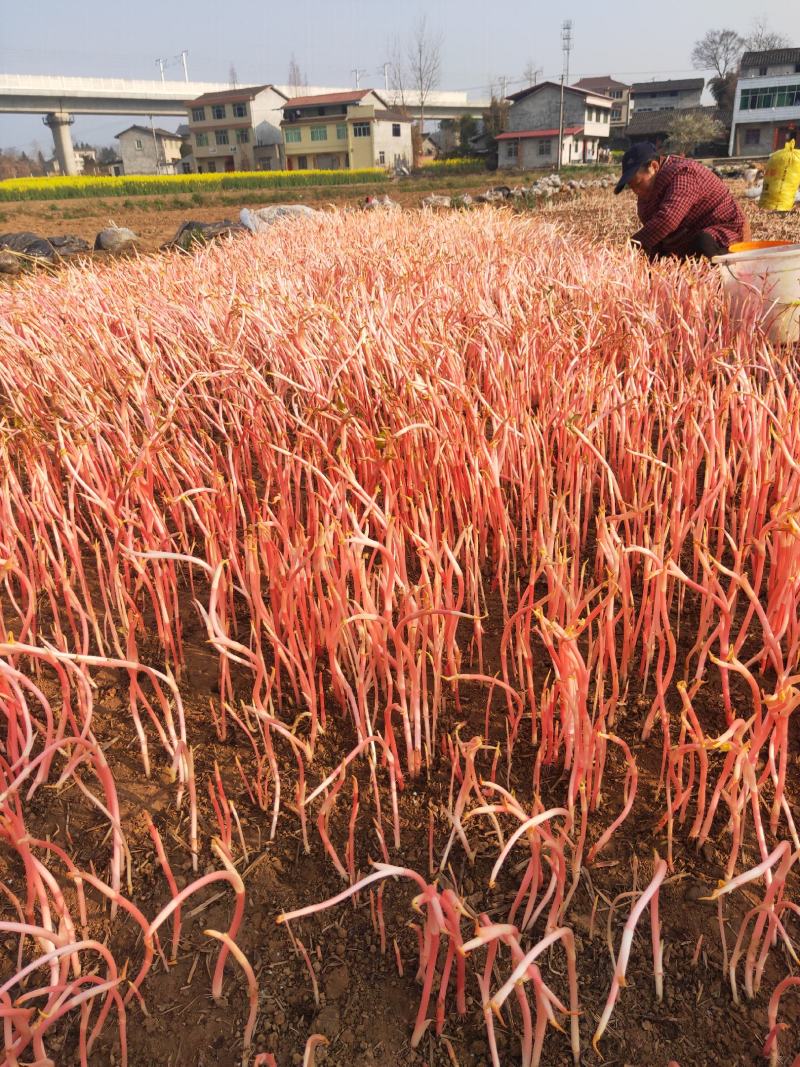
148, 150
620, 94
666, 95
347, 130
237, 129
531, 140
766, 112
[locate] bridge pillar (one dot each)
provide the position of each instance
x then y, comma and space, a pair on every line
59, 123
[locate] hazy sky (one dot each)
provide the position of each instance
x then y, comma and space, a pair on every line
482, 41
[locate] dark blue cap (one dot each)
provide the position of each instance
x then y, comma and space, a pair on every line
635, 158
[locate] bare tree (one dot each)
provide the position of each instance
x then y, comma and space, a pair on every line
424, 56
719, 50
398, 75
295, 79
531, 72
762, 39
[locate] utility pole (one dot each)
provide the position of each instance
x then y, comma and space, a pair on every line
184, 57
161, 63
566, 48
155, 145
503, 81
386, 76
531, 73
355, 71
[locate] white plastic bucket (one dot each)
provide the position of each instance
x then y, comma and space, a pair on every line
770, 276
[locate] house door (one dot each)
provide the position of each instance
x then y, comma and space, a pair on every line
302, 162
229, 164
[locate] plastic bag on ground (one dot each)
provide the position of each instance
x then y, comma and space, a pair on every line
258, 220
782, 179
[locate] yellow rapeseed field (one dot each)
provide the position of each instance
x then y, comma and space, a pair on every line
58, 188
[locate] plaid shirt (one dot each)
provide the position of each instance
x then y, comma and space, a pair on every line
687, 199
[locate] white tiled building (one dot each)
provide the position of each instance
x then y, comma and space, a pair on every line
667, 95
766, 111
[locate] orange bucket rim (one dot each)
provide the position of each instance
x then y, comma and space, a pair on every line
753, 246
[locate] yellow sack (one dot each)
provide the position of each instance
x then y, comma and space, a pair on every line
782, 179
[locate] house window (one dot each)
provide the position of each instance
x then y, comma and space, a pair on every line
752, 136
545, 146
139, 145
512, 149
198, 114
319, 133
770, 96
212, 166
382, 158
396, 129
616, 94
240, 111
221, 136
616, 114
361, 129
202, 139
341, 131
218, 111
243, 137
762, 72
292, 134
797, 68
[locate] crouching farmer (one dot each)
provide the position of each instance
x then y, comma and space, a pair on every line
686, 211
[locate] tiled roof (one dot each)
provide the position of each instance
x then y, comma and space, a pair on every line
239, 95
146, 129
352, 97
775, 57
681, 84
652, 122
522, 135
600, 83
541, 85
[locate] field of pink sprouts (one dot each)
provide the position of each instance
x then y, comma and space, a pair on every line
399, 646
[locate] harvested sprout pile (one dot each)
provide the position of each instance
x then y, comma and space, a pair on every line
490, 545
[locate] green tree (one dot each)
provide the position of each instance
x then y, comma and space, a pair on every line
495, 121
467, 129
687, 131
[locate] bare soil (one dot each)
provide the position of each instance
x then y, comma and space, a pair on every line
364, 1005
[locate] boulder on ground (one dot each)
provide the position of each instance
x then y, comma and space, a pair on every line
115, 239
257, 220
192, 233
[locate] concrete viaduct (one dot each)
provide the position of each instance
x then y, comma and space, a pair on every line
59, 99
